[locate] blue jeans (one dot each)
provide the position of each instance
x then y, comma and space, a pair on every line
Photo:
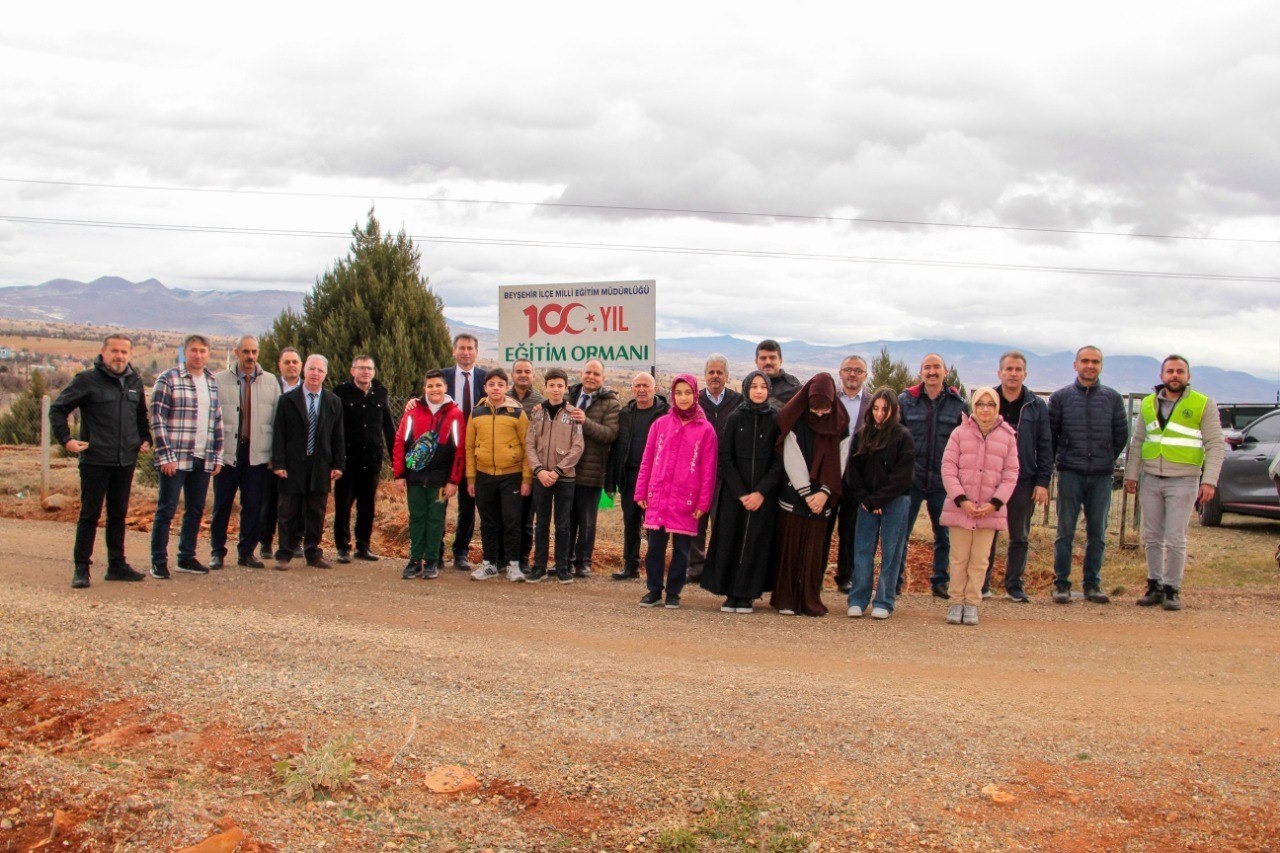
1092, 493
192, 486
678, 571
891, 530
933, 501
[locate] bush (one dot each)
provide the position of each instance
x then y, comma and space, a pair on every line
313, 771
21, 424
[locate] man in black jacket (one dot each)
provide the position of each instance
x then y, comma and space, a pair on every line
782, 385
113, 429
634, 422
367, 426
1089, 429
308, 454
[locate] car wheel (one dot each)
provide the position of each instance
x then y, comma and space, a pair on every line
1211, 512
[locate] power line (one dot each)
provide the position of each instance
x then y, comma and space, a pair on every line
624, 208
680, 250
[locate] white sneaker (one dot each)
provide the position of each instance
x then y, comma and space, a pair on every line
513, 572
485, 571
746, 609
786, 613
854, 611
970, 614
879, 613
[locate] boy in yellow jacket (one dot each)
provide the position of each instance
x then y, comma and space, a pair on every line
498, 475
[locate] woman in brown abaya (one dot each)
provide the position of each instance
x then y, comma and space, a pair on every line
813, 440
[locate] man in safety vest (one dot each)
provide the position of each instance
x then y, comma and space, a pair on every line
1177, 444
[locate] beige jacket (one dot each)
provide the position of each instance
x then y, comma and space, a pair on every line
266, 391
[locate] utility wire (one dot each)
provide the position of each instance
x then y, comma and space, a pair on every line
681, 250
623, 208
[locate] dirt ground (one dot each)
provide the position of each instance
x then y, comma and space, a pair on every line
153, 715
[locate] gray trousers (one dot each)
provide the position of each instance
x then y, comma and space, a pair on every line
1167, 503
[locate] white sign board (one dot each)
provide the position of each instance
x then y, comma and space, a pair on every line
567, 324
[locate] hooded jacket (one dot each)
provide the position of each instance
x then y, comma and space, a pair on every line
678, 474
113, 414
553, 442
982, 469
495, 440
617, 472
930, 428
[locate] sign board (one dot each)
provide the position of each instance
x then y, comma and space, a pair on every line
567, 324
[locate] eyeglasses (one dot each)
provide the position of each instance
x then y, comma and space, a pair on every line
986, 404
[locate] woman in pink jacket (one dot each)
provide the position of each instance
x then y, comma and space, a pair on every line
675, 487
979, 471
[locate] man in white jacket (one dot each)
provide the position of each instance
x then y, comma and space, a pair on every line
248, 395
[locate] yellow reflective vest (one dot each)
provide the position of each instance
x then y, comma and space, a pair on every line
1180, 440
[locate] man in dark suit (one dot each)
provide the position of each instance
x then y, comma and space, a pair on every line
308, 453
465, 382
856, 400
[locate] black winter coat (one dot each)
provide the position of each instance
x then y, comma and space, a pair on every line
719, 415
738, 557
1088, 427
289, 445
113, 414
367, 424
874, 479
930, 428
616, 473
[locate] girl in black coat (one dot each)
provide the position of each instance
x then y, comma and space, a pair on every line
750, 468
878, 478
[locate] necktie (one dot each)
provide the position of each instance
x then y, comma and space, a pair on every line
582, 403
311, 424
466, 393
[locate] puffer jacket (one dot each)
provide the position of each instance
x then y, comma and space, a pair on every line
495, 441
678, 474
1088, 427
553, 442
982, 469
930, 429
599, 431
448, 462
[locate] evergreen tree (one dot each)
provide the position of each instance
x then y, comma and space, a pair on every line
887, 373
21, 424
952, 380
375, 301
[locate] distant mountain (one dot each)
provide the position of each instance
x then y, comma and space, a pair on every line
147, 304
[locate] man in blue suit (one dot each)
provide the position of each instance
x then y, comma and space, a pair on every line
465, 382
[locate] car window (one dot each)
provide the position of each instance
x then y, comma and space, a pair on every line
1265, 430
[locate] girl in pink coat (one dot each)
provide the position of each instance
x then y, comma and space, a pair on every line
979, 471
675, 487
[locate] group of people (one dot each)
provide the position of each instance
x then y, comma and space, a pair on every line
747, 491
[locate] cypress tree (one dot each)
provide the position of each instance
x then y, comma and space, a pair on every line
375, 301
887, 373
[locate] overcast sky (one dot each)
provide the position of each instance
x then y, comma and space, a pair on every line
1134, 118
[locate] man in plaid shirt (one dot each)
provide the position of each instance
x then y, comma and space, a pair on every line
186, 426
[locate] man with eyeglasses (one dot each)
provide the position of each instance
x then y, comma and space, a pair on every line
856, 401
367, 428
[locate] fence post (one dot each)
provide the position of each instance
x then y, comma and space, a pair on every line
45, 438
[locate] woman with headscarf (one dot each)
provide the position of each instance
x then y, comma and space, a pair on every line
813, 440
750, 469
878, 480
674, 488
979, 471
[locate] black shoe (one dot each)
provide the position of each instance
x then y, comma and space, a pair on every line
564, 575
673, 602
730, 605
192, 566
1062, 594
1018, 596
844, 587
122, 572
319, 563
535, 574
1172, 601
160, 572
940, 590
430, 571
366, 555
80, 577
412, 569
215, 563
265, 553
694, 577
626, 575
1153, 596
651, 599
582, 572
1097, 596
248, 561
344, 556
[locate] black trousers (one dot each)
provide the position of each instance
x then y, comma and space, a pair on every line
582, 525
302, 517
555, 502
249, 482
844, 521
99, 483
359, 485
466, 528
271, 514
498, 501
632, 523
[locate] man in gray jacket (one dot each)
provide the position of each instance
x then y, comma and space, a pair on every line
1178, 448
248, 395
1089, 429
